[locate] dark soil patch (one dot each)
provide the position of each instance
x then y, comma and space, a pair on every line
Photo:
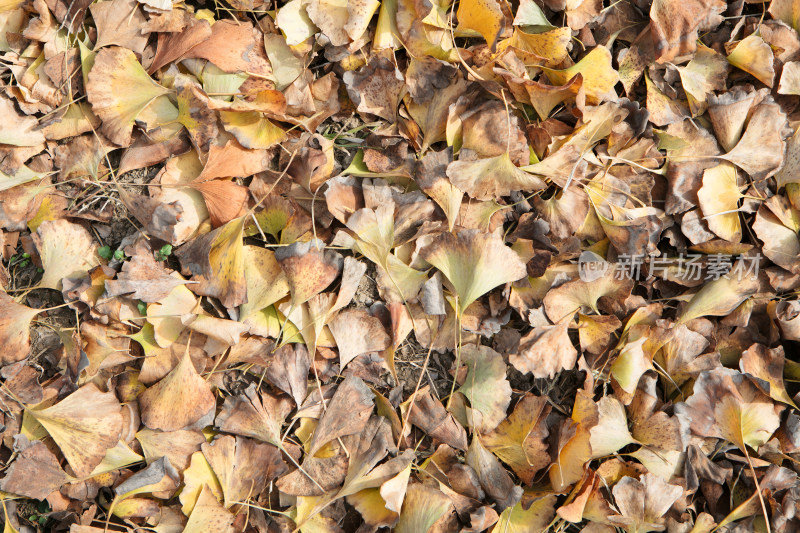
367, 292
122, 223
409, 361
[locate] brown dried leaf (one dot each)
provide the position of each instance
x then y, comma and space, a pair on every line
35, 473
428, 414
180, 400
675, 25
545, 351
356, 333
728, 406
346, 414
255, 415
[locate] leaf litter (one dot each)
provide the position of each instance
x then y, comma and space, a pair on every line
357, 266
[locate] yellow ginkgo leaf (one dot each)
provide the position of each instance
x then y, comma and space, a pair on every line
530, 14
632, 361
486, 179
486, 388
286, 66
117, 457
398, 281
273, 216
197, 477
663, 463
520, 440
474, 263
393, 491
119, 89
66, 250
550, 47
596, 332
22, 176
252, 129
330, 16
703, 75
374, 232
719, 201
84, 425
367, 450
599, 76
160, 114
10, 5
423, 507
77, 118
269, 322
209, 515
483, 16
386, 34
720, 297
561, 165
294, 22
359, 15
266, 281
755, 57
165, 315
727, 405
373, 508
220, 329
611, 433
432, 116
536, 517
175, 178
217, 261
134, 507
573, 452
9, 527
728, 113
307, 516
